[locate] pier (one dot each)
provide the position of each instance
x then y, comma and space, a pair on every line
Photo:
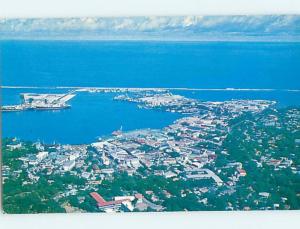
34, 101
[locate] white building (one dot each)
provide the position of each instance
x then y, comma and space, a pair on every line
42, 155
135, 163
86, 175
170, 174
109, 171
131, 198
74, 156
105, 160
128, 205
69, 165
14, 147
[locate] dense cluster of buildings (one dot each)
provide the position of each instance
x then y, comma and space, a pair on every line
184, 150
267, 144
180, 104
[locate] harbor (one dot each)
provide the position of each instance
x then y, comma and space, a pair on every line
35, 101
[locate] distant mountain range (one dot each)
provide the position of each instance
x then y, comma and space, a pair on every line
263, 27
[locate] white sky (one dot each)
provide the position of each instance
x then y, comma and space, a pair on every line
71, 8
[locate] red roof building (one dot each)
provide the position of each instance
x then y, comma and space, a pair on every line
242, 172
138, 196
103, 203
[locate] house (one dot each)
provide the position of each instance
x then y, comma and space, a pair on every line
108, 171
264, 194
170, 174
242, 172
85, 175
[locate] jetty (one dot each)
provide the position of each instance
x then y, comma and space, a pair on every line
34, 101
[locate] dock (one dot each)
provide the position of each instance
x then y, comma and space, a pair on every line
34, 101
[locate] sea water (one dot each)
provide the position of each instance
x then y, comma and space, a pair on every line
199, 65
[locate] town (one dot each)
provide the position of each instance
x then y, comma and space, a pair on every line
202, 161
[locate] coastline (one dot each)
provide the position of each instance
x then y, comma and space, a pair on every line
149, 88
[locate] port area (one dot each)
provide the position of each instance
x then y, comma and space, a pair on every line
34, 101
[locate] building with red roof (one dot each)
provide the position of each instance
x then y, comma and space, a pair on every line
242, 172
105, 205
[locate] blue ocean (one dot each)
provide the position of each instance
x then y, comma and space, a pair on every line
200, 65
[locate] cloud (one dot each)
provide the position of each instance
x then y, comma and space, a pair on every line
275, 25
